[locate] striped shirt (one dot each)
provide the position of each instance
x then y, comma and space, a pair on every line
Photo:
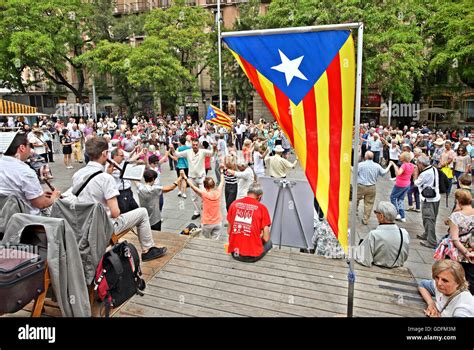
369, 172
230, 179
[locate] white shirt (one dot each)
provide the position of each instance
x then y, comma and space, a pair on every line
38, 149
462, 305
122, 184
244, 180
100, 189
258, 165
18, 179
195, 161
427, 179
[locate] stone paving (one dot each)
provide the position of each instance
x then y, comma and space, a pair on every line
177, 213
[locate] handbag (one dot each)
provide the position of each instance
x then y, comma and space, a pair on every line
446, 249
448, 172
429, 192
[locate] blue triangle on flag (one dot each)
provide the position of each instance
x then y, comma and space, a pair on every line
293, 62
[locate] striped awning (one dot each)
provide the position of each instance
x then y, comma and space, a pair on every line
9, 107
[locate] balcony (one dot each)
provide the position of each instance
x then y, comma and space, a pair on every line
140, 6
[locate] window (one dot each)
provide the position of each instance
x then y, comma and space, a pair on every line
441, 102
468, 108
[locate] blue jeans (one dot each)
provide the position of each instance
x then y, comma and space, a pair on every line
416, 192
397, 197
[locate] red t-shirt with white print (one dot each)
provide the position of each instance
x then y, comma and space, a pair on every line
247, 217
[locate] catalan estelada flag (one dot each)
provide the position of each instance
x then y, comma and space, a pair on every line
216, 116
307, 81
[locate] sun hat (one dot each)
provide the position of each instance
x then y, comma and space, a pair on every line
279, 149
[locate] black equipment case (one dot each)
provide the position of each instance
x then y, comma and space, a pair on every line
21, 277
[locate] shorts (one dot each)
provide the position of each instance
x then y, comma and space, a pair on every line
185, 171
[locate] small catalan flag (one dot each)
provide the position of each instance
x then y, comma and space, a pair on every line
216, 116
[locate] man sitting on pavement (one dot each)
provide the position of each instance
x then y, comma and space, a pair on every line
249, 227
102, 189
387, 245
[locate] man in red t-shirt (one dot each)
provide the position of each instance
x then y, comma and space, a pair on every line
249, 227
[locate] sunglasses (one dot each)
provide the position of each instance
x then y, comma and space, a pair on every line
377, 212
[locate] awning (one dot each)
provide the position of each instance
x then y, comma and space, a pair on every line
9, 108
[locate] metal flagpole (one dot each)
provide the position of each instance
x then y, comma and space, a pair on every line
355, 157
219, 45
94, 106
293, 30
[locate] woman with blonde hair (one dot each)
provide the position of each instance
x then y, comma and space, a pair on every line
450, 289
402, 184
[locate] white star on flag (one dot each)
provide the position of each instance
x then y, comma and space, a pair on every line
290, 68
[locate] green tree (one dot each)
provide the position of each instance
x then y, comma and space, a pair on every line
450, 39
177, 33
113, 59
394, 56
234, 79
49, 36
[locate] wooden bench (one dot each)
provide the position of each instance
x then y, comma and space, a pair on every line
116, 236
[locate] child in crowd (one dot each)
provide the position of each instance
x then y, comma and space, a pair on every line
149, 196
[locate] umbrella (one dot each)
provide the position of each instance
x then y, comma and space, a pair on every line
436, 110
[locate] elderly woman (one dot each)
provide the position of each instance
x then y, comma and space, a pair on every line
387, 245
402, 184
450, 289
393, 155
461, 225
245, 176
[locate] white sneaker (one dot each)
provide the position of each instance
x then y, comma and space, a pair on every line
184, 195
179, 194
398, 217
403, 220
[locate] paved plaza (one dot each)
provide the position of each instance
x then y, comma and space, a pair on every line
177, 213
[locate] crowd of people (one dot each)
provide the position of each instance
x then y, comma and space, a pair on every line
216, 162
423, 164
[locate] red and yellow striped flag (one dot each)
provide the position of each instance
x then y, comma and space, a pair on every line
307, 81
216, 116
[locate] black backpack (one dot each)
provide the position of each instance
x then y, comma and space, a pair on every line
117, 276
443, 182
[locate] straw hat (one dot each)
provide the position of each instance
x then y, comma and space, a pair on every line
439, 141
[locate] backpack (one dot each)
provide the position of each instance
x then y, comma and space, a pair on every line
443, 181
187, 229
117, 277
